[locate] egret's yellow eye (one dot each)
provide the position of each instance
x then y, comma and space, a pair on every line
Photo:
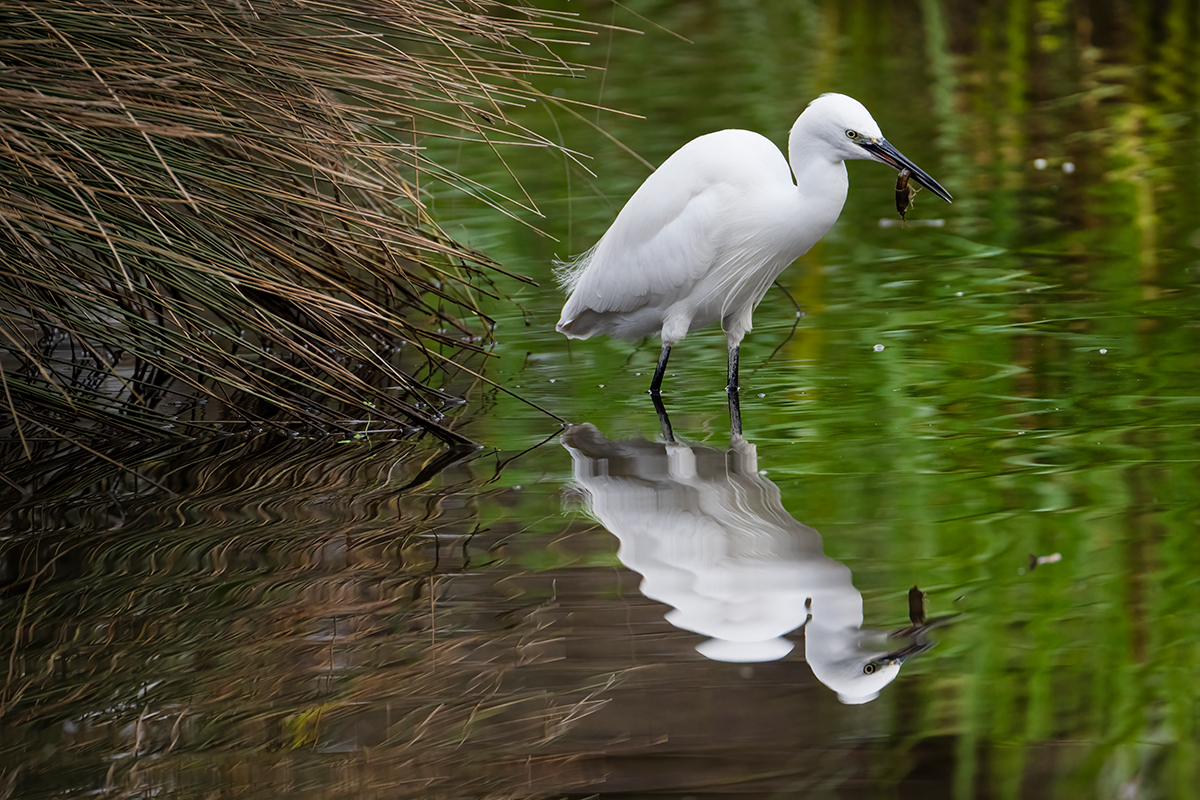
852, 134
870, 667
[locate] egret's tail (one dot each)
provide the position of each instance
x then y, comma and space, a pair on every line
577, 327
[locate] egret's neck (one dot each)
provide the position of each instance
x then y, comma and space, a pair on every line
819, 174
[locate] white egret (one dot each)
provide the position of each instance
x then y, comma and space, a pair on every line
709, 231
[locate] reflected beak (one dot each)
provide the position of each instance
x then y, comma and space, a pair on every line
882, 150
905, 653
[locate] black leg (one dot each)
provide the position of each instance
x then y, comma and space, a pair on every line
663, 419
735, 415
732, 386
656, 384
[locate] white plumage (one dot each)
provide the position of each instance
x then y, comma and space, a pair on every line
704, 237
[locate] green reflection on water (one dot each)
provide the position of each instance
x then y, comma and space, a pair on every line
1038, 389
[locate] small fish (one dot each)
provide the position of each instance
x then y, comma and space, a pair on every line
904, 192
919, 626
916, 606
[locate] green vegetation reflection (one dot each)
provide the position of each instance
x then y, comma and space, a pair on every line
1023, 380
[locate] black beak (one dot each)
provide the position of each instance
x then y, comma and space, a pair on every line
905, 653
882, 150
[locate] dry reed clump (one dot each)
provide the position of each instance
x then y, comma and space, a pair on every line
210, 214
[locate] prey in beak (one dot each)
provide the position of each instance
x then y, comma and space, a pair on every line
882, 151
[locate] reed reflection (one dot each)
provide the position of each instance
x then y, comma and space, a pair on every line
711, 538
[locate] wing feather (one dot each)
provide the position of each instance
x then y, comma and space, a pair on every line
671, 232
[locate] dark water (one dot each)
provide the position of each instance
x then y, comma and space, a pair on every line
592, 611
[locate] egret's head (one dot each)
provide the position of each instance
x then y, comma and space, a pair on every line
855, 679
842, 123
864, 687
849, 661
840, 127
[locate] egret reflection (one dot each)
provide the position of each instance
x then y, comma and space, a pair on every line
711, 538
